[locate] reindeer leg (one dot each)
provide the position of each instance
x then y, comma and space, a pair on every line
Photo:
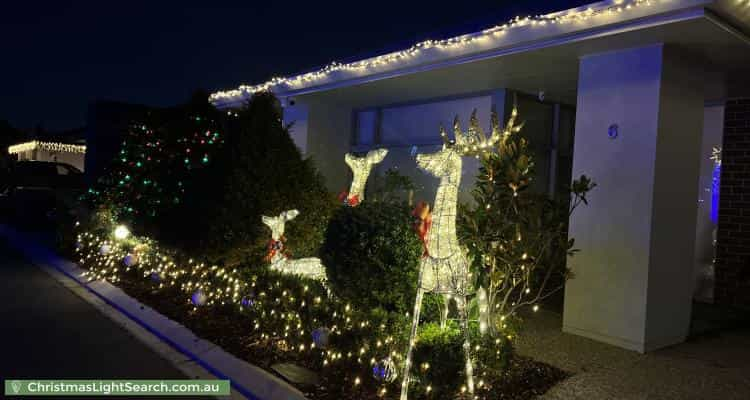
444, 310
464, 317
412, 337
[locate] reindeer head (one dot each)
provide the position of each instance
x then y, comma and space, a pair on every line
361, 167
474, 142
276, 224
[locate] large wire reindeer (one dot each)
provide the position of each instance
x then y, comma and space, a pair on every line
444, 269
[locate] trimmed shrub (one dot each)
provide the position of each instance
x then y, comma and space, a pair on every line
439, 359
371, 254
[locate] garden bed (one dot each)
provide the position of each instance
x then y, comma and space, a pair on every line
229, 329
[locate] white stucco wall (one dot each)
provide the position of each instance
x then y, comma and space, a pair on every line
296, 116
633, 276
329, 132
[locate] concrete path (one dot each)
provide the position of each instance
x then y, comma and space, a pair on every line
711, 366
48, 331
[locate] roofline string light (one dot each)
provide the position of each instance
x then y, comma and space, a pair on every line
450, 43
47, 146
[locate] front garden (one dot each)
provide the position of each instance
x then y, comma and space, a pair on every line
216, 220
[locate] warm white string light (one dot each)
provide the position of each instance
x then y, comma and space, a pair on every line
572, 16
47, 146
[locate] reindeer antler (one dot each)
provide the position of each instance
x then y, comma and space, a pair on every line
474, 141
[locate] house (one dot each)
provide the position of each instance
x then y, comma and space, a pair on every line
66, 147
634, 93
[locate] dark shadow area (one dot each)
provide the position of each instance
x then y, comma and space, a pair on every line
51, 333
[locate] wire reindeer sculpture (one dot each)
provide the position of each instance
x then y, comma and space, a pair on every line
308, 267
361, 168
444, 269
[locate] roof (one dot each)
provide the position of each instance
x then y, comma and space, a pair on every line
517, 35
47, 146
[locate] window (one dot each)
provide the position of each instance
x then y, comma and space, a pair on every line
418, 124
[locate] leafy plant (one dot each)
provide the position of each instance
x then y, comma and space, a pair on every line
518, 240
392, 186
438, 360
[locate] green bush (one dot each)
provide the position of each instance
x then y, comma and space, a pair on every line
439, 359
371, 254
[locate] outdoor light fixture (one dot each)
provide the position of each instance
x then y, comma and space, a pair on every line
121, 232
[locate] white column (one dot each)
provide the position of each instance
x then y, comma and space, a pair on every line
634, 274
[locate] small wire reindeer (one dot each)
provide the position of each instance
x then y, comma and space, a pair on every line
307, 267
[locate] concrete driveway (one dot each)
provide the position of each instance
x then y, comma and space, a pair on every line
713, 365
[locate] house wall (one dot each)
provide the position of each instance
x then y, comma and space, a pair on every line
733, 239
328, 139
295, 116
75, 159
634, 277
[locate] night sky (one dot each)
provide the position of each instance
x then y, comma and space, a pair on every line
56, 57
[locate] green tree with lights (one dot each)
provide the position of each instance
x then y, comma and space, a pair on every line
156, 160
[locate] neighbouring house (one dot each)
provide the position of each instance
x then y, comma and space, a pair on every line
66, 147
634, 93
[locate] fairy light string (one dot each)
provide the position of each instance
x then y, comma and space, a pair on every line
54, 147
556, 18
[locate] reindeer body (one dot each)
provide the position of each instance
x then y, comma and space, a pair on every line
445, 268
307, 267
